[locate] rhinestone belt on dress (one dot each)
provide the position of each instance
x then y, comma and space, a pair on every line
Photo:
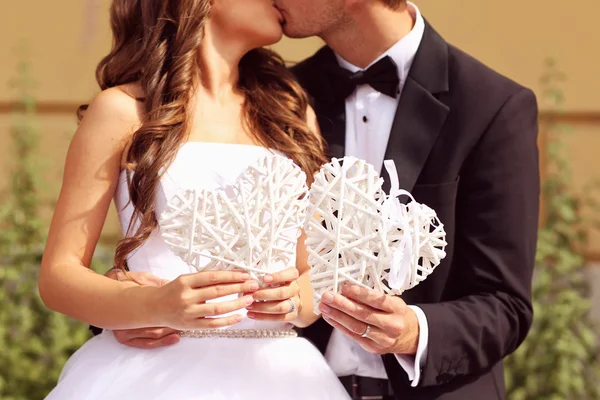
240, 333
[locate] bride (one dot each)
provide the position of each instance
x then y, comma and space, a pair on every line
190, 100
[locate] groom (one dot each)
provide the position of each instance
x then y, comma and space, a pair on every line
463, 138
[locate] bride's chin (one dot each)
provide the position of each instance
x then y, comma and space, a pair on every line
279, 36
272, 37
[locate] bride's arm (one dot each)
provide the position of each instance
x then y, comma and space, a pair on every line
92, 167
66, 283
306, 315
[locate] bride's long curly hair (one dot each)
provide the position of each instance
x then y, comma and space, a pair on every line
155, 44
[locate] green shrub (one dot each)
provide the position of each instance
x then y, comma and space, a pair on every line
559, 359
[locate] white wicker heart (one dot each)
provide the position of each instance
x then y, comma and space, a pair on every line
358, 234
253, 225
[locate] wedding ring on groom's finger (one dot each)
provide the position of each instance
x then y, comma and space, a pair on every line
292, 306
366, 333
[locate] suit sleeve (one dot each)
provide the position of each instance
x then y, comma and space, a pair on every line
495, 243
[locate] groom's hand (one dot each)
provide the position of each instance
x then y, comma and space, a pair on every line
143, 338
394, 327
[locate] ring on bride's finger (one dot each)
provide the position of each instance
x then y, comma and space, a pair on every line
292, 306
367, 330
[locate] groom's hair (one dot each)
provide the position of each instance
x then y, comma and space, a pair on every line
394, 4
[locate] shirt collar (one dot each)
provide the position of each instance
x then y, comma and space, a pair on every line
402, 52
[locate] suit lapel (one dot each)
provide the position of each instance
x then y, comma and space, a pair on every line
332, 121
331, 114
420, 115
417, 123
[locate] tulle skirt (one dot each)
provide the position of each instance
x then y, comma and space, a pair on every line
194, 369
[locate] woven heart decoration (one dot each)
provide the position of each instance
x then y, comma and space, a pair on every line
344, 225
358, 234
253, 225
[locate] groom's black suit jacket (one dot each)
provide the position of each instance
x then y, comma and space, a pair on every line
464, 142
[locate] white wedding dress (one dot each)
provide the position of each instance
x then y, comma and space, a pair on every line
196, 368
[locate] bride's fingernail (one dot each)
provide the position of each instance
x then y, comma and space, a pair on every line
327, 297
248, 300
253, 285
267, 279
250, 307
246, 277
251, 315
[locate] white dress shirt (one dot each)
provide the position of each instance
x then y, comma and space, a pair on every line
369, 118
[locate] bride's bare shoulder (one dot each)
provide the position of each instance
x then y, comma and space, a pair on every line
115, 113
124, 101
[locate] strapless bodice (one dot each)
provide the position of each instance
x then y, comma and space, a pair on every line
197, 166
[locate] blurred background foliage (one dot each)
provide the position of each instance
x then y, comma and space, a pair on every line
34, 342
560, 357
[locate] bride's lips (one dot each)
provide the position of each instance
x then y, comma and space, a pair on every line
279, 14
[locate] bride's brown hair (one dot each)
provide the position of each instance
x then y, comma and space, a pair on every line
155, 44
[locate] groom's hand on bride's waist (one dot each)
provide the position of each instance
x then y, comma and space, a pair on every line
379, 323
143, 338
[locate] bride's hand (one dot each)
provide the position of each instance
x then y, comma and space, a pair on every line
280, 301
181, 304
135, 278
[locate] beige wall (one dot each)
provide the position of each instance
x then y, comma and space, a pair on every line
68, 37
515, 37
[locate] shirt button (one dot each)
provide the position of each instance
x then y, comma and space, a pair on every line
365, 119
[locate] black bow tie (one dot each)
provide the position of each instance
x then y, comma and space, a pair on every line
381, 76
